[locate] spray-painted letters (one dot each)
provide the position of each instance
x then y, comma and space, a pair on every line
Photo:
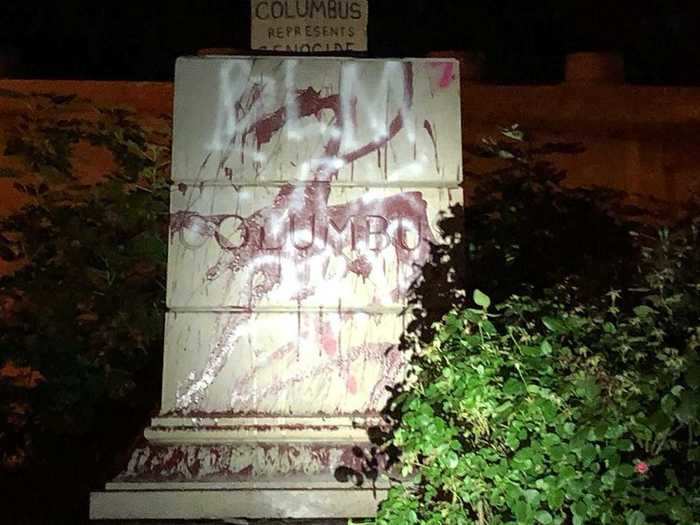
305, 203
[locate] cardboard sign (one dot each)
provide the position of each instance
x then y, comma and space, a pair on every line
309, 26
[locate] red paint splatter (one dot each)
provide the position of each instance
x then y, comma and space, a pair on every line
329, 343
309, 203
225, 462
351, 384
360, 266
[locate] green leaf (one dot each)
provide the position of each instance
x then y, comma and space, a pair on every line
668, 404
626, 470
543, 517
488, 327
643, 311
624, 445
613, 431
557, 452
451, 460
636, 518
549, 410
555, 498
579, 509
532, 497
512, 441
532, 351
482, 299
546, 347
588, 389
588, 454
553, 324
521, 511
513, 387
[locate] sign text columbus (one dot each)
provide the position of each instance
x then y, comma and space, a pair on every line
309, 26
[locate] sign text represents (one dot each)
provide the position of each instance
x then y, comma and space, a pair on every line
309, 26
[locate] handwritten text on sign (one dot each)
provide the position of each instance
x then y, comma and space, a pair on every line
309, 26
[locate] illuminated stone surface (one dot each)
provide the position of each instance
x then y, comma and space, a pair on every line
305, 198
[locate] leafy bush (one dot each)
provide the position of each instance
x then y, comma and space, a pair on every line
564, 402
523, 230
81, 319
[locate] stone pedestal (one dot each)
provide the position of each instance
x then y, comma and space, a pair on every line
305, 198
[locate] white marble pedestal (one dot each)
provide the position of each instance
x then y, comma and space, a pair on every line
305, 199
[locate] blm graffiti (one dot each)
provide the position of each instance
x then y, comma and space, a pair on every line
307, 238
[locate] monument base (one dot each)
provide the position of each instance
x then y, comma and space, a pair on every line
220, 468
151, 502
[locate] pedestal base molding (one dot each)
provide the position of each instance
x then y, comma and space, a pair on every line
205, 468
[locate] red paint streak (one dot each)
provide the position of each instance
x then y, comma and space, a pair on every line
429, 128
308, 101
391, 362
395, 126
221, 462
360, 266
447, 75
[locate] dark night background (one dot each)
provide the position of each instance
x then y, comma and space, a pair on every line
521, 42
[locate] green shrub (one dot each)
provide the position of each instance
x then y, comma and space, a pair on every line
81, 320
573, 398
523, 230
552, 410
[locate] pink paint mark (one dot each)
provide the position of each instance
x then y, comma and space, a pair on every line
351, 384
386, 355
329, 343
447, 75
360, 266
